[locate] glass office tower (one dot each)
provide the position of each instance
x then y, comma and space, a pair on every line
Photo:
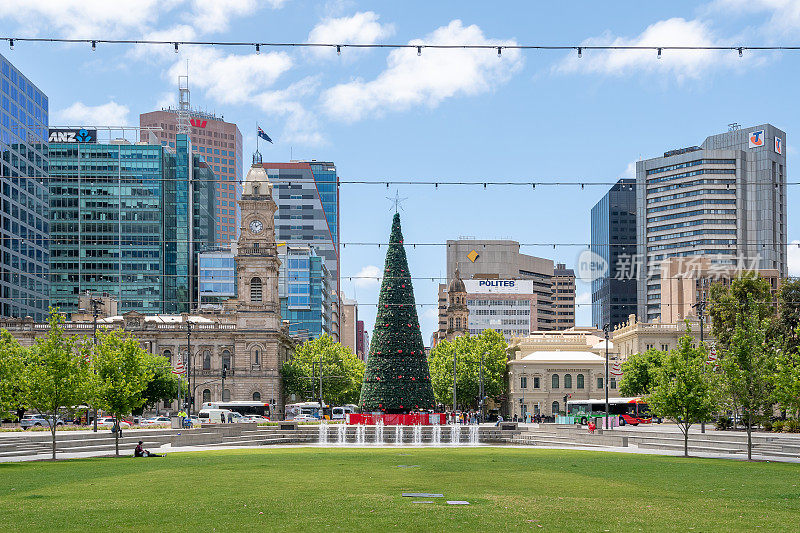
307, 300
24, 244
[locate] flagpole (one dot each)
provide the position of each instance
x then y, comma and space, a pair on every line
257, 136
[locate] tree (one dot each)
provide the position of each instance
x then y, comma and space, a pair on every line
164, 385
12, 357
684, 388
342, 372
748, 367
55, 375
748, 294
123, 370
467, 350
789, 315
639, 372
397, 379
787, 382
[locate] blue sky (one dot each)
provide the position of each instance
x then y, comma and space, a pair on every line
463, 115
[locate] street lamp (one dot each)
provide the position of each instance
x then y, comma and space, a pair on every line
522, 408
606, 327
480, 387
95, 311
189, 380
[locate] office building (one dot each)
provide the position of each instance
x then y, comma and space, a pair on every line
351, 329
613, 242
24, 244
121, 222
307, 299
216, 278
724, 199
563, 297
219, 145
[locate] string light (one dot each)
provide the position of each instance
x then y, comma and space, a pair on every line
659, 53
580, 52
258, 49
11, 43
94, 46
419, 50
176, 48
338, 50
740, 51
499, 51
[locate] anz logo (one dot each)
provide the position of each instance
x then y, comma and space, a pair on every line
197, 123
81, 135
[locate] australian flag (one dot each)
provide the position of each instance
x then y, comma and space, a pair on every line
263, 135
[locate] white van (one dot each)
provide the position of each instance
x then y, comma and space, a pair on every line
340, 413
213, 416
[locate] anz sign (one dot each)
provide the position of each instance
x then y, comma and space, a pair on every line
81, 135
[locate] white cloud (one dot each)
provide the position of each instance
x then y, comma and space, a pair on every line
230, 78
671, 32
630, 171
181, 32
301, 126
793, 258
367, 277
79, 114
211, 16
410, 80
583, 308
363, 28
784, 20
85, 18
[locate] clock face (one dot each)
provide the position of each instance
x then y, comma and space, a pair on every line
256, 226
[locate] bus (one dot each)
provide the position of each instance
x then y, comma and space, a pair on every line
244, 408
633, 411
309, 409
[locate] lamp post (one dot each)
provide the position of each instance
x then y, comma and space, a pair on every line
454, 380
522, 400
701, 311
95, 311
605, 383
189, 380
480, 386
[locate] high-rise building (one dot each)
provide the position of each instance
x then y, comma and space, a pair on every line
306, 297
564, 296
501, 259
725, 199
351, 329
24, 243
216, 142
614, 240
121, 225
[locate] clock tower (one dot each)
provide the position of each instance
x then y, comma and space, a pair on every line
256, 258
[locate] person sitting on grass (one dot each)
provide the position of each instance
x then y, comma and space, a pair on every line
139, 451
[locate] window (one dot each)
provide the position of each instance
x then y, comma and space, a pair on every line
206, 395
523, 382
612, 383
256, 396
168, 355
554, 407
255, 290
554, 382
599, 383
579, 381
458, 323
567, 381
206, 360
226, 395
226, 359
256, 359
665, 347
536, 383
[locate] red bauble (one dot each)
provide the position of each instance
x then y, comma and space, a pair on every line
404, 285
386, 306
412, 379
399, 351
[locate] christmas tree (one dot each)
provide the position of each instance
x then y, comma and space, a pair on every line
397, 379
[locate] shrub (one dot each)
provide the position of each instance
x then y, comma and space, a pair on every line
723, 423
777, 426
768, 425
791, 426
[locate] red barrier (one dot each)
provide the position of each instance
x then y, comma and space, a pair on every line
411, 419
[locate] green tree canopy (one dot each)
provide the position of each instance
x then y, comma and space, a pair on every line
123, 371
789, 315
164, 385
747, 295
684, 388
467, 350
55, 376
341, 371
639, 372
12, 358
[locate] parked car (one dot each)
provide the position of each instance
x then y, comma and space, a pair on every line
32, 421
255, 419
195, 420
302, 417
155, 421
108, 422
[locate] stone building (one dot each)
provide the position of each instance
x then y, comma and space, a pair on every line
246, 336
636, 337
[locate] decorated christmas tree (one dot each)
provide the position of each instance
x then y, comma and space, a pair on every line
397, 379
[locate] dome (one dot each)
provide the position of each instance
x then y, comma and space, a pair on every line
456, 285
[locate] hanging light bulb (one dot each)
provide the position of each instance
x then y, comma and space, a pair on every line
338, 50
499, 51
176, 48
419, 50
11, 43
659, 53
94, 46
580, 52
740, 51
258, 49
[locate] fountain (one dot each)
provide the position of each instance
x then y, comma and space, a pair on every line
379, 433
417, 435
398, 435
361, 435
473, 435
436, 435
455, 434
323, 434
342, 435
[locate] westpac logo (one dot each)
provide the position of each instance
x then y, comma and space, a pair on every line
197, 123
756, 138
496, 283
82, 135
778, 145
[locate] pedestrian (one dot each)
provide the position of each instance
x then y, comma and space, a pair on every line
592, 427
139, 451
499, 420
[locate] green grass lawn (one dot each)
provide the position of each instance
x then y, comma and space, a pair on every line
313, 489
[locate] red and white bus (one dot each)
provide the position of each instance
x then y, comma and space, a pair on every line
633, 411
